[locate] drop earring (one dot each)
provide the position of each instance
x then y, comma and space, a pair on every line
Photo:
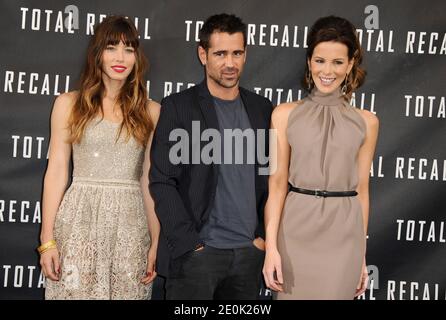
344, 87
309, 80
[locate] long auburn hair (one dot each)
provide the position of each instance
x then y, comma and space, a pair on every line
341, 30
132, 98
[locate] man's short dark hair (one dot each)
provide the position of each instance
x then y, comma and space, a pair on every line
221, 23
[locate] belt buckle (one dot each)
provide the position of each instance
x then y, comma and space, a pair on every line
317, 193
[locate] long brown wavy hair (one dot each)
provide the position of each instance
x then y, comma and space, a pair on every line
341, 30
132, 98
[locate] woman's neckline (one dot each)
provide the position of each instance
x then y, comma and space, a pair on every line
334, 98
108, 120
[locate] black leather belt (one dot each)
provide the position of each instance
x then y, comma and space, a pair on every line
324, 193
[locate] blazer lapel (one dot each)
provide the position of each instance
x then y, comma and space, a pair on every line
255, 118
207, 106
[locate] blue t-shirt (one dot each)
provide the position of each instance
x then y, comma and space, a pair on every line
233, 217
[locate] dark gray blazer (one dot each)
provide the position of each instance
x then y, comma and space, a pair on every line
184, 193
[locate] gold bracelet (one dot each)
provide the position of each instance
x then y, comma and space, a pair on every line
47, 245
49, 248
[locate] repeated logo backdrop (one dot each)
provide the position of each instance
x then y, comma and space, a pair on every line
42, 53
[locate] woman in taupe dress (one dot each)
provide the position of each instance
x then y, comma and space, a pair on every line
317, 210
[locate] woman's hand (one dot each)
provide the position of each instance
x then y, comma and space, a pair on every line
272, 270
150, 271
363, 280
49, 261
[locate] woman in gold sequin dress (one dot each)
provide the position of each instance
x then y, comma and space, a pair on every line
100, 236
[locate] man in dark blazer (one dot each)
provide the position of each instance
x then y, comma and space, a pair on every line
209, 203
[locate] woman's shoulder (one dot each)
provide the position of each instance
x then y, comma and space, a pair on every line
154, 109
369, 118
64, 102
283, 110
68, 97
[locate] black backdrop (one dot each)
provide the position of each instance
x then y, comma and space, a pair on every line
405, 46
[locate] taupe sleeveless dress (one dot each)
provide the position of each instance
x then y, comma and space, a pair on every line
321, 240
101, 225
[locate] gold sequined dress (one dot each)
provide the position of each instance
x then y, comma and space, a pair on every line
101, 226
